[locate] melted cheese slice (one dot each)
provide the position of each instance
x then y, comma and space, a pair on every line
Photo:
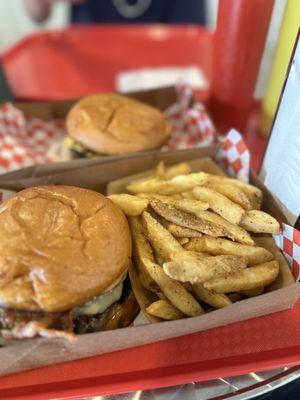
101, 303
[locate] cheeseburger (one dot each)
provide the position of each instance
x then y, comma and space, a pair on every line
112, 124
64, 255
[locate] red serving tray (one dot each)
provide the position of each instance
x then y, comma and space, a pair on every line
258, 344
80, 60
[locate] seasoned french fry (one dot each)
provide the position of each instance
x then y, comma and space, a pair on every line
188, 267
220, 204
182, 232
253, 292
253, 193
232, 231
175, 185
216, 300
165, 310
202, 221
161, 240
188, 205
234, 193
250, 278
132, 206
260, 222
183, 240
174, 291
141, 250
217, 246
187, 220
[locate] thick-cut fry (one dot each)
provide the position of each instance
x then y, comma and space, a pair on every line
188, 267
175, 185
187, 220
188, 195
232, 231
174, 291
188, 205
220, 204
160, 169
165, 310
159, 260
253, 193
161, 240
253, 292
132, 206
250, 278
177, 169
141, 250
260, 222
202, 221
218, 246
234, 193
216, 300
182, 232
183, 240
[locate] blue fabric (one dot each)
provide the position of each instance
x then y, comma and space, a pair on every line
291, 391
165, 11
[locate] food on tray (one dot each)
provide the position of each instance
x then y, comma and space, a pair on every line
130, 205
110, 124
65, 253
189, 267
176, 293
181, 231
218, 246
251, 278
160, 238
260, 222
177, 169
192, 243
220, 204
177, 184
164, 309
253, 193
216, 300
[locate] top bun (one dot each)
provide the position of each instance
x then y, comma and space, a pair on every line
113, 124
60, 246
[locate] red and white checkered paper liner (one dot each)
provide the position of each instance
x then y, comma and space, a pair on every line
24, 141
192, 126
289, 243
234, 156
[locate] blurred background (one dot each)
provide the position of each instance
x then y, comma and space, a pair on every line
16, 23
235, 53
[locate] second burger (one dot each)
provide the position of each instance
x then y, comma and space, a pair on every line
112, 124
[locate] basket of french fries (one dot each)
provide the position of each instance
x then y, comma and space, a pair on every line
200, 239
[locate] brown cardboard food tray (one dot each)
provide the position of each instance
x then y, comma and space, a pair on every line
96, 174
93, 174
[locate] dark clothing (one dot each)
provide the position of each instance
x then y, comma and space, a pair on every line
160, 11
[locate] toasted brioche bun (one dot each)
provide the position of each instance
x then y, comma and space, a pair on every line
59, 247
113, 124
